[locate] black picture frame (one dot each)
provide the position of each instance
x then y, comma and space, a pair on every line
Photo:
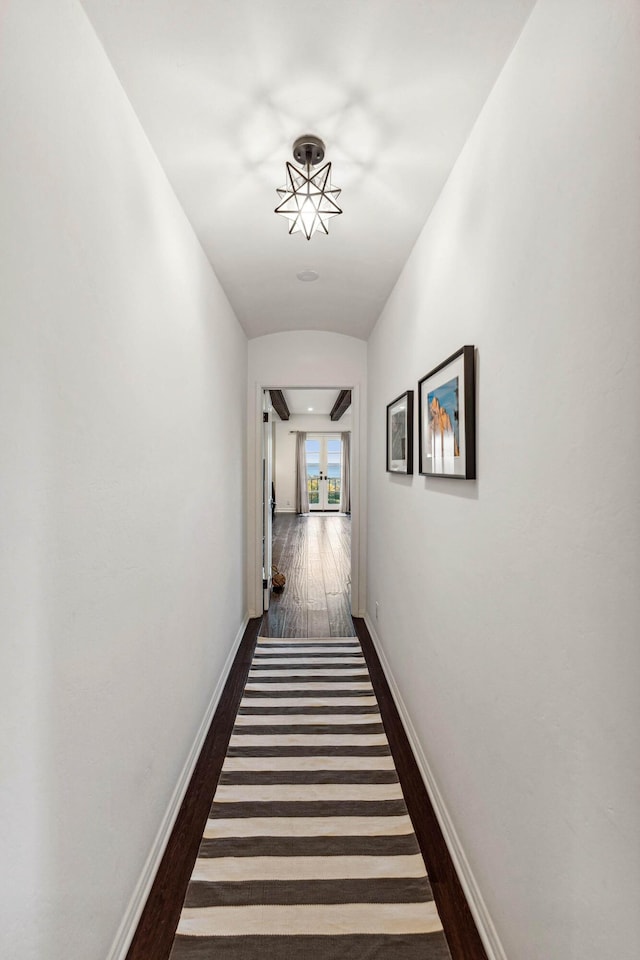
447, 418
400, 434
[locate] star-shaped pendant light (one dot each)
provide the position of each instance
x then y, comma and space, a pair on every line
308, 199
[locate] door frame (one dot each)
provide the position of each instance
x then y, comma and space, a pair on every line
267, 501
358, 495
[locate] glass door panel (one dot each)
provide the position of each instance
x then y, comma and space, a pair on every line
332, 472
324, 467
313, 451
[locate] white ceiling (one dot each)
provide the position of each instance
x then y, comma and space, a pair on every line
224, 87
322, 401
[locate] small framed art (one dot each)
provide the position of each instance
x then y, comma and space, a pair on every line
400, 434
446, 418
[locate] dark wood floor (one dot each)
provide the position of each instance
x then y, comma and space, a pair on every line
314, 553
316, 548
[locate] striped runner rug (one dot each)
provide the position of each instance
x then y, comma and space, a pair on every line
309, 851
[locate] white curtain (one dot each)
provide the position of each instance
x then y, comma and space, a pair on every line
345, 479
302, 492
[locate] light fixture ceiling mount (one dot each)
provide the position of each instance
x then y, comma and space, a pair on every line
308, 201
308, 150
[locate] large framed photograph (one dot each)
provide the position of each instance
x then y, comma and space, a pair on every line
446, 418
400, 434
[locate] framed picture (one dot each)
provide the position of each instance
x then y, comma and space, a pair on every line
400, 434
446, 418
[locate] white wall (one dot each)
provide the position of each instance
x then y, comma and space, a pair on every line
123, 391
285, 451
307, 358
509, 607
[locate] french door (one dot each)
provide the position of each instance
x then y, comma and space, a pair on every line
324, 471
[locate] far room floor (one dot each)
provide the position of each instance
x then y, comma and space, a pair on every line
314, 553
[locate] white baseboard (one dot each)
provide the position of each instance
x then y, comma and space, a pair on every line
481, 915
285, 510
130, 921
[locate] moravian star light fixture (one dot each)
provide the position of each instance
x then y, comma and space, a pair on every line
308, 199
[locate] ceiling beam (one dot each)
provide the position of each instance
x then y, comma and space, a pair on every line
342, 403
280, 404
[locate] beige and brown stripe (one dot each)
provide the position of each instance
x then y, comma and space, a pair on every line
309, 850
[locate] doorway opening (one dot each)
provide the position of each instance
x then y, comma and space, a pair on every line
306, 481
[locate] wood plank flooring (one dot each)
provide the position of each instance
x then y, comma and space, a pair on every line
314, 553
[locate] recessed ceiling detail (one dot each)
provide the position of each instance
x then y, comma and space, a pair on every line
321, 401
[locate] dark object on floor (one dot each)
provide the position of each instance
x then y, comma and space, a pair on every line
277, 579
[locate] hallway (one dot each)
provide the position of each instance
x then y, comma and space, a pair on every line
488, 161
